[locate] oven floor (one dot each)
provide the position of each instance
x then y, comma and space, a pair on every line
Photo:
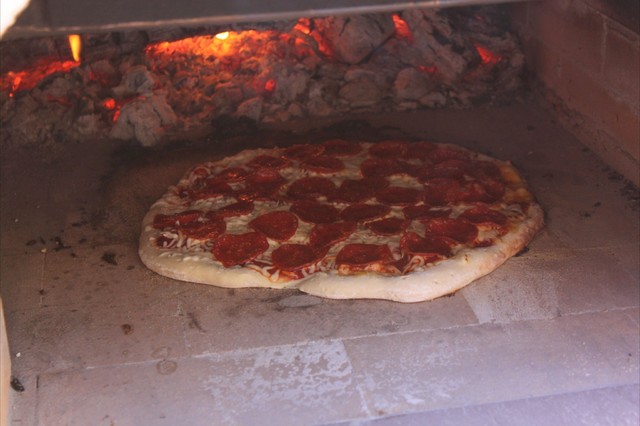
552, 337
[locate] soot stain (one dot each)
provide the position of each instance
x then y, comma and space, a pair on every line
194, 322
16, 384
109, 257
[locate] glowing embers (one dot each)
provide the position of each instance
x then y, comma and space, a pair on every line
27, 79
402, 28
228, 43
487, 56
16, 81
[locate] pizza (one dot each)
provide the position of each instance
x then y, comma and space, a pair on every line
397, 220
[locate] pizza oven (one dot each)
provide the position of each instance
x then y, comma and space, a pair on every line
105, 105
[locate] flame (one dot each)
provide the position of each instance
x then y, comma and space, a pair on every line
76, 46
488, 57
402, 28
222, 36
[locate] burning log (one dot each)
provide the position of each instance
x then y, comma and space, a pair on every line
352, 39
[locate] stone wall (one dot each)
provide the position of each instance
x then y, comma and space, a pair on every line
586, 55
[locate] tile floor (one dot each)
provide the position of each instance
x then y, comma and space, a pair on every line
552, 337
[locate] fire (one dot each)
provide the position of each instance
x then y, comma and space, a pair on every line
270, 85
222, 44
402, 28
304, 26
76, 46
488, 57
16, 81
109, 103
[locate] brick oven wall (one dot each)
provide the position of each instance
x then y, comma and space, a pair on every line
584, 59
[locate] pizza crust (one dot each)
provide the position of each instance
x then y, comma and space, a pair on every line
433, 281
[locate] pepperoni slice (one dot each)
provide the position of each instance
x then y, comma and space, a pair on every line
314, 212
268, 161
474, 192
231, 174
361, 255
389, 149
236, 249
265, 177
278, 225
379, 167
424, 212
341, 148
398, 196
239, 208
293, 257
162, 221
302, 151
358, 190
325, 234
431, 248
364, 212
456, 229
389, 226
211, 189
486, 169
419, 150
443, 153
311, 188
409, 168
482, 215
441, 191
210, 229
453, 169
261, 184
493, 187
323, 164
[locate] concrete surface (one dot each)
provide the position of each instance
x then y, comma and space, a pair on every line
552, 337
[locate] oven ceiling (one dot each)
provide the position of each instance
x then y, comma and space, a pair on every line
51, 17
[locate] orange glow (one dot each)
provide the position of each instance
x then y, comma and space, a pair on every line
221, 45
402, 29
304, 26
109, 103
76, 46
429, 70
116, 115
270, 85
488, 57
15, 81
